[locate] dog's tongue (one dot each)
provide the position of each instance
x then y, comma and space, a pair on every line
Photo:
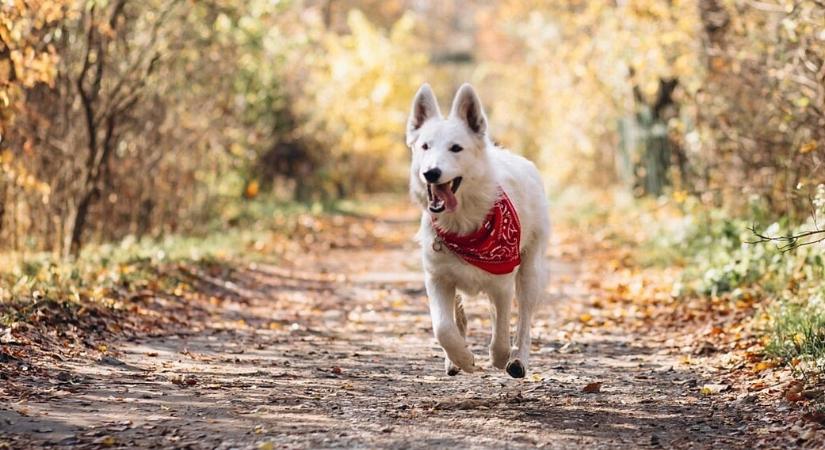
445, 194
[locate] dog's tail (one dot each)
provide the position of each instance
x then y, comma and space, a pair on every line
460, 316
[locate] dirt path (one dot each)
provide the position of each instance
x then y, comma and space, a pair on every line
335, 349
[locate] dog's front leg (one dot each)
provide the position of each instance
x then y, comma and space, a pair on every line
500, 302
447, 333
529, 282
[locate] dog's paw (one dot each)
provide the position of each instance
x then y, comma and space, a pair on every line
451, 369
516, 369
465, 362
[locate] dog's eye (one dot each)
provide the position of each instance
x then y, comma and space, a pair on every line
425, 146
456, 148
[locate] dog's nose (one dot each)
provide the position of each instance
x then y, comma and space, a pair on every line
432, 175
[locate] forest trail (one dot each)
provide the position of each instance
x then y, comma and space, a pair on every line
334, 349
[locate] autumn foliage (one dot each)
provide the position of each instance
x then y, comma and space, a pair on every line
156, 155
144, 118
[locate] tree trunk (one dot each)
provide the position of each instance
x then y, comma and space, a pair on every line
646, 146
2, 209
80, 222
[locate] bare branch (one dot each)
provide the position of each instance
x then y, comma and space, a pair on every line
789, 242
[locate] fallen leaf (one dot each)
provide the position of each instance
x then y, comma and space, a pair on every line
252, 189
807, 147
757, 386
185, 381
593, 388
106, 441
792, 392
712, 389
764, 365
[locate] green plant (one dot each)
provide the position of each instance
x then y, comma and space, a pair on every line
798, 333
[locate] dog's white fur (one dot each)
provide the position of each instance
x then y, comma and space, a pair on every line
484, 168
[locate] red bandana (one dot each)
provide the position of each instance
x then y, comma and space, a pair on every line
495, 246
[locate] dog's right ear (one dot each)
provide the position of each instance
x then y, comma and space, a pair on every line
424, 108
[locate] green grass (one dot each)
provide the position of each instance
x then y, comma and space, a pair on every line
798, 335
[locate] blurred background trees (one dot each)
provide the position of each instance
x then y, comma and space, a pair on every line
144, 118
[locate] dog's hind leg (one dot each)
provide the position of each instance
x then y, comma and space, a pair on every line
461, 323
529, 285
445, 327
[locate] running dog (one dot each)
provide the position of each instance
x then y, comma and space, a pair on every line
484, 228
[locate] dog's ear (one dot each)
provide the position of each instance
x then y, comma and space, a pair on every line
467, 107
424, 108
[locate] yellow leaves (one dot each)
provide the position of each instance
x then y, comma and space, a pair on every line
32, 67
181, 289
222, 24
808, 147
106, 441
97, 293
398, 303
6, 157
237, 149
763, 365
359, 92
713, 389
23, 27
251, 190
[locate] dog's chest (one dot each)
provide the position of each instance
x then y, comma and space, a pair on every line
467, 278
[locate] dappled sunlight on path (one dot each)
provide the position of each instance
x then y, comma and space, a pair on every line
334, 348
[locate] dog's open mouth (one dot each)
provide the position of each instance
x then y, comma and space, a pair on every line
442, 196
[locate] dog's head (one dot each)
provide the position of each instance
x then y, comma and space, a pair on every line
446, 152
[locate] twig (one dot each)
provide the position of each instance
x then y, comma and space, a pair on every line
790, 242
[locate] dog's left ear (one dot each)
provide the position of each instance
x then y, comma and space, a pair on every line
467, 107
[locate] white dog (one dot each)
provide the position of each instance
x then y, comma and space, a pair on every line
484, 228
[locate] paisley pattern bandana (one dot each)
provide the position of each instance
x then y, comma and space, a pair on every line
495, 246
